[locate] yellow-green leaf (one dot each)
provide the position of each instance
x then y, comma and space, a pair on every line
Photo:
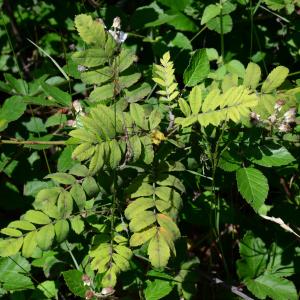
29, 244
90, 57
11, 232
45, 237
195, 99
142, 220
137, 206
21, 224
92, 32
252, 76
115, 154
36, 217
78, 195
65, 204
158, 251
140, 238
275, 79
77, 224
61, 228
169, 225
184, 107
62, 178
121, 262
9, 247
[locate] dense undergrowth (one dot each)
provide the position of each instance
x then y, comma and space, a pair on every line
149, 151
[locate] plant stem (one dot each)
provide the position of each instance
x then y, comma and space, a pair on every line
18, 142
222, 33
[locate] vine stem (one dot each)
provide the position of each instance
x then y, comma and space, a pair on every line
18, 142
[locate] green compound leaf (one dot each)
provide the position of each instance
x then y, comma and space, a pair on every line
198, 68
253, 186
275, 79
276, 288
164, 76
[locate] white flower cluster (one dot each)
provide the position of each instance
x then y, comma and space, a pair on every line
284, 123
115, 31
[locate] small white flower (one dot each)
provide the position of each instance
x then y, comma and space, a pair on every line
272, 119
278, 105
71, 123
254, 116
119, 36
284, 127
117, 23
289, 116
81, 68
77, 106
107, 291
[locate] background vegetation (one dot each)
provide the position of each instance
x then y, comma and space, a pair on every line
156, 159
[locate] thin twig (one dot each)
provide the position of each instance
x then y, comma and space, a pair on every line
18, 142
217, 281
